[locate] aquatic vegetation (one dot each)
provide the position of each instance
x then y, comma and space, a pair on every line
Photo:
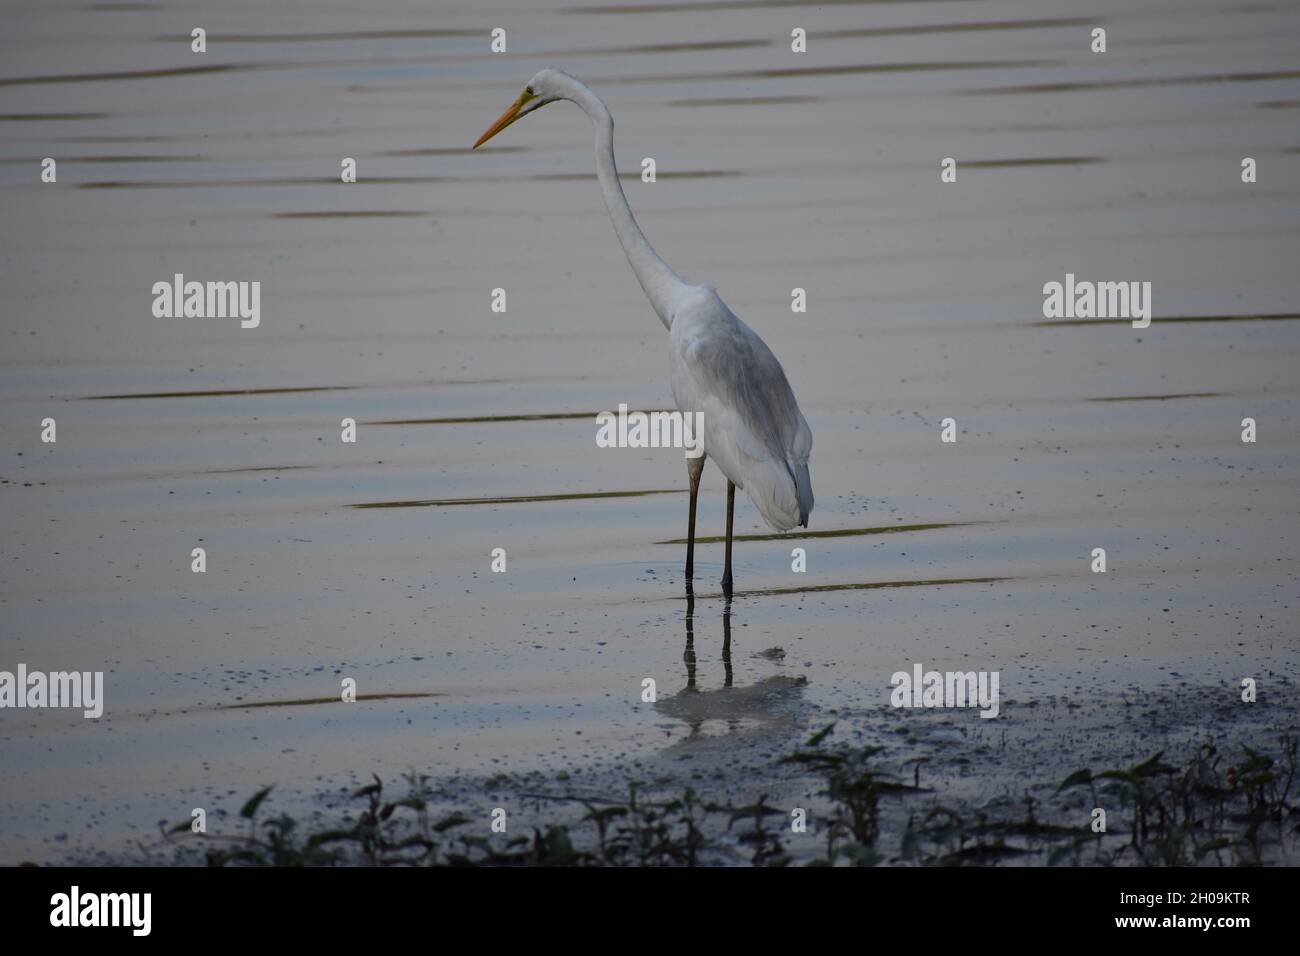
1199, 813
1184, 816
402, 833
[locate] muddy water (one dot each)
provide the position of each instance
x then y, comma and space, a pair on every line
476, 428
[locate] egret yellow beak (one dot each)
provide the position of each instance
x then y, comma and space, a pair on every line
508, 117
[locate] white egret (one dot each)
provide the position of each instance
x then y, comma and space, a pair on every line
753, 429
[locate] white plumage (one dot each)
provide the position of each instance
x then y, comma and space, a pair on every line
753, 429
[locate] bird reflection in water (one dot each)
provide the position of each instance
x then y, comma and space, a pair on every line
769, 702
689, 655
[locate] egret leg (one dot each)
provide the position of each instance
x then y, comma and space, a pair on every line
694, 467
689, 655
726, 643
731, 510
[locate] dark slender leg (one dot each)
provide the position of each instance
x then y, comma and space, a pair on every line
689, 655
731, 510
694, 466
726, 642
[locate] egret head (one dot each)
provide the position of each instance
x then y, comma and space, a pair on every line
546, 87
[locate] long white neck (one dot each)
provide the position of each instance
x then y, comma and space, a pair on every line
662, 286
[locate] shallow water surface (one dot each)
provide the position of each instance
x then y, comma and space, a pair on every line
371, 561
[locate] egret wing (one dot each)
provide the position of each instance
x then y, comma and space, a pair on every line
753, 427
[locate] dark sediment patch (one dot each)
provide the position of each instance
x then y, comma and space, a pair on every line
978, 26
241, 471
835, 533
391, 180
334, 37
50, 117
1156, 398
125, 75
520, 499
485, 419
683, 7
311, 701
1257, 317
219, 393
1039, 161
353, 214
1193, 80
848, 69
745, 101
75, 160
865, 586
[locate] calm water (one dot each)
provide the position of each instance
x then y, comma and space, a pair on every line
776, 170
